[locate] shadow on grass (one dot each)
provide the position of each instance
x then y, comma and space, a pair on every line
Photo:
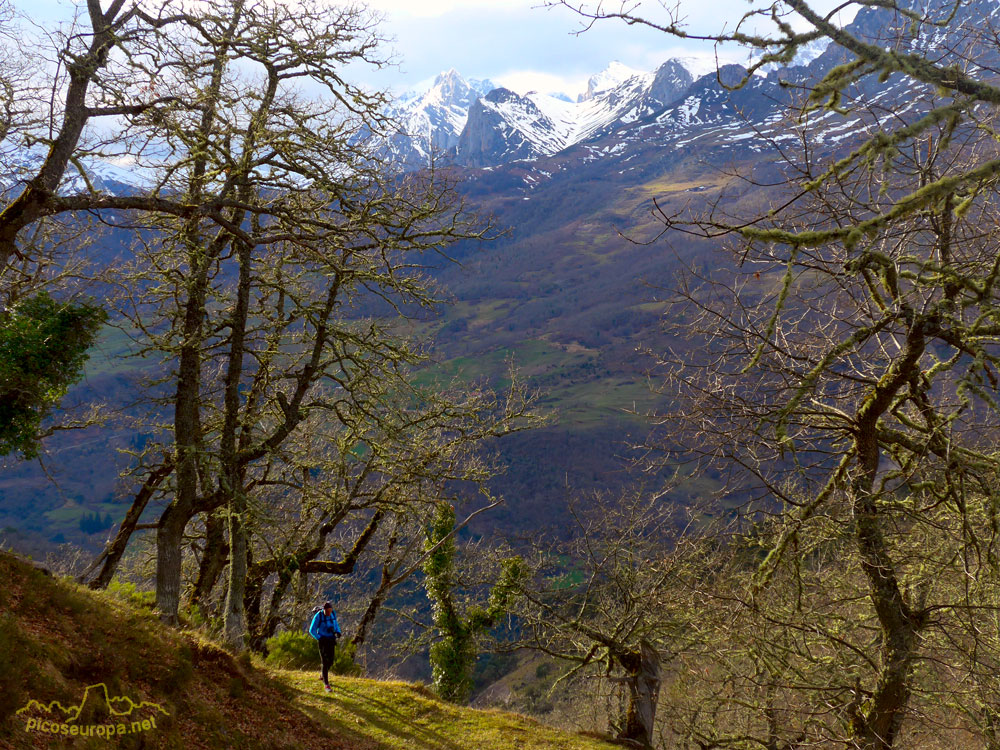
382, 716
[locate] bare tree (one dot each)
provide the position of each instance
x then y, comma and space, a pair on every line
364, 473
50, 106
606, 601
270, 295
846, 358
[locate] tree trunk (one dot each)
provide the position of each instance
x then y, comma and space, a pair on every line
234, 617
113, 552
235, 624
213, 560
261, 629
187, 441
643, 682
257, 575
368, 618
187, 444
878, 727
187, 401
169, 535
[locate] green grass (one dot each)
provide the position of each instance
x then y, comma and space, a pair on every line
570, 394
410, 717
531, 357
67, 515
595, 401
478, 313
111, 354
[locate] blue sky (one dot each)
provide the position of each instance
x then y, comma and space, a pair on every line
516, 43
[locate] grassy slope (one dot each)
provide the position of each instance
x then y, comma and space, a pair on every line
405, 716
57, 638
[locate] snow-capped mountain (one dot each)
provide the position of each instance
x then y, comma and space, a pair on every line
504, 126
805, 55
622, 113
472, 122
431, 122
19, 163
611, 77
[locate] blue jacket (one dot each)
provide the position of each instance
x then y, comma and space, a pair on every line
323, 626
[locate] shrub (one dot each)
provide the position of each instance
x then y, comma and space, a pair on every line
194, 616
292, 650
128, 592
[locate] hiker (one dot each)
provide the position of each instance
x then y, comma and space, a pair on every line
325, 629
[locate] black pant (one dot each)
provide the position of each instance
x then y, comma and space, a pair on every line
327, 644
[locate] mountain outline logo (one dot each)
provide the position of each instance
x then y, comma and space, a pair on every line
122, 714
73, 712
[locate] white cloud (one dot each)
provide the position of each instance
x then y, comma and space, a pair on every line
523, 81
435, 8
518, 43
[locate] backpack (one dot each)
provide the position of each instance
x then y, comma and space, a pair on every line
310, 619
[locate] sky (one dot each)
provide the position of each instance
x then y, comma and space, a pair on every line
520, 44
517, 44
525, 46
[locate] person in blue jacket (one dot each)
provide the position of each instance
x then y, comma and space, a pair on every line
325, 629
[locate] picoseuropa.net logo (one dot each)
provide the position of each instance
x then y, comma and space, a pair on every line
104, 717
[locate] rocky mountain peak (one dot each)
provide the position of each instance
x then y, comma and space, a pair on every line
432, 120
452, 85
670, 82
502, 95
451, 89
612, 76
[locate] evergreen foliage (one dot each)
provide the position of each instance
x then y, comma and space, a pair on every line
43, 347
454, 656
